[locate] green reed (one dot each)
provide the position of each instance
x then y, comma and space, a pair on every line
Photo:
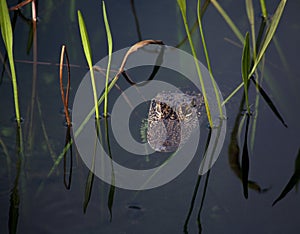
265, 41
207, 58
182, 6
245, 67
7, 35
110, 46
88, 55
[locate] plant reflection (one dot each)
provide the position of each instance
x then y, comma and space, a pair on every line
67, 182
239, 160
14, 196
234, 153
15, 201
90, 178
196, 188
293, 182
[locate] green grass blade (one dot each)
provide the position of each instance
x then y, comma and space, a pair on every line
235, 30
85, 39
245, 68
195, 24
182, 6
269, 34
263, 9
260, 33
88, 55
110, 47
250, 11
199, 16
7, 36
233, 93
258, 79
202, 35
250, 14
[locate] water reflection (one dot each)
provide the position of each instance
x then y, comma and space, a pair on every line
234, 152
71, 199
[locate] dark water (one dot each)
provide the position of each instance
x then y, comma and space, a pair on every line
31, 202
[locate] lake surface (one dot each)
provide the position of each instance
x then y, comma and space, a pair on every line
72, 200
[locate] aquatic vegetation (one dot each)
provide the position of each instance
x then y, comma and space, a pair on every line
182, 6
88, 55
110, 47
65, 97
265, 41
199, 16
255, 43
293, 181
7, 36
246, 69
251, 58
